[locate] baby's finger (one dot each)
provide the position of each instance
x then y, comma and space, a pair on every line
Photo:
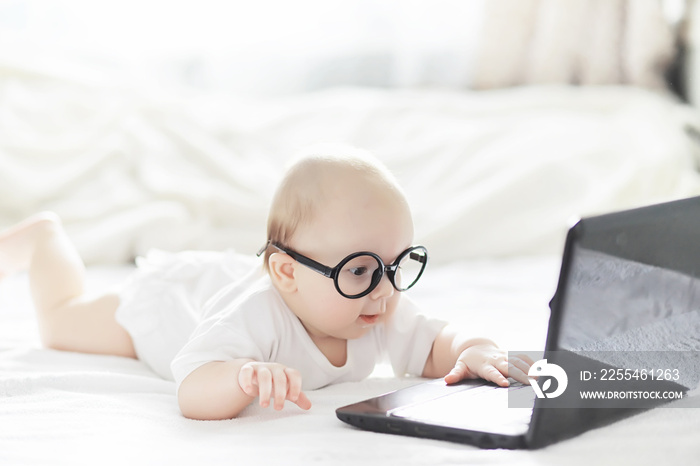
245, 380
517, 373
264, 385
518, 369
303, 402
457, 373
494, 374
525, 358
294, 381
279, 383
521, 363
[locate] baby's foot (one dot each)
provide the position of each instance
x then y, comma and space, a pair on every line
17, 242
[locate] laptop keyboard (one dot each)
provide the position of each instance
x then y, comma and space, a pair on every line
482, 408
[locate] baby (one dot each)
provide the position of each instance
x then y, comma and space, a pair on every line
326, 306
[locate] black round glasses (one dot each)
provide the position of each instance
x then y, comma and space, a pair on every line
360, 273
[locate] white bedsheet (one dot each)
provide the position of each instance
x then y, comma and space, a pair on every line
67, 408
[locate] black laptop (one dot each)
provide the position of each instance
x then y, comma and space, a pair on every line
622, 338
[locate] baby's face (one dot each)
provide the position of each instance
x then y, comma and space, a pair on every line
353, 222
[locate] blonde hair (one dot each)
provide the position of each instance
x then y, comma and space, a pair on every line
302, 189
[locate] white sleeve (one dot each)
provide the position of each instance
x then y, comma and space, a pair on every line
410, 337
229, 335
215, 343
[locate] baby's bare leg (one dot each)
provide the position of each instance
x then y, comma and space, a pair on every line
67, 319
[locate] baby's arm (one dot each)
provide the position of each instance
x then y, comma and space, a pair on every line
222, 389
455, 357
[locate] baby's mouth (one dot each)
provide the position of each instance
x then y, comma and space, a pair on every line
369, 319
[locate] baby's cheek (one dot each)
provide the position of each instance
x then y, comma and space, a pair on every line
341, 311
392, 303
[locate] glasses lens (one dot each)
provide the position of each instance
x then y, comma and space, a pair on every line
410, 268
357, 275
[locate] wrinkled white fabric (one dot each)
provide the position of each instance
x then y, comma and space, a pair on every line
491, 173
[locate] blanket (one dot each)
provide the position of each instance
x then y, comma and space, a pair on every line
488, 174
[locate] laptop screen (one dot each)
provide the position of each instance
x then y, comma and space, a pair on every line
633, 285
628, 297
618, 304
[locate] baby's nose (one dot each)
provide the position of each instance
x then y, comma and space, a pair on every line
384, 288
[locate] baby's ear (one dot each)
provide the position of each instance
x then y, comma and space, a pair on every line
282, 272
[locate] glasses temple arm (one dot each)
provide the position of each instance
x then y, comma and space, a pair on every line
419, 257
310, 263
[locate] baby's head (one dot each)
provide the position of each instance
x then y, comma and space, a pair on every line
328, 181
328, 207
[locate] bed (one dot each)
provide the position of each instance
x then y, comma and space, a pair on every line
495, 174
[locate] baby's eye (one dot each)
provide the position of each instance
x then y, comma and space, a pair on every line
358, 271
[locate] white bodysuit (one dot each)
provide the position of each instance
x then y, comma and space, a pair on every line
184, 310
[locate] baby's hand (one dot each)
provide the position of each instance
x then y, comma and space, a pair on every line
489, 363
269, 381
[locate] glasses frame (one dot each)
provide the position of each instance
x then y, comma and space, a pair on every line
333, 272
